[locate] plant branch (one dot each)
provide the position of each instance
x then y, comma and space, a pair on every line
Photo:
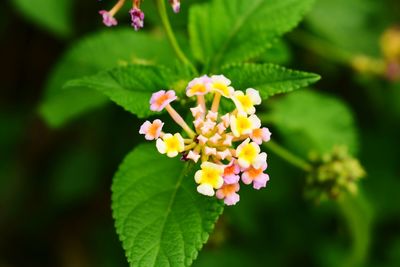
288, 156
171, 36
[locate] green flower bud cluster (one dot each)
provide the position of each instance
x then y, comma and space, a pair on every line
333, 173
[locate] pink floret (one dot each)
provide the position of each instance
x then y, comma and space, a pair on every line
108, 20
161, 99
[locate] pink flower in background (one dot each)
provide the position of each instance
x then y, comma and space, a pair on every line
176, 5
108, 19
137, 17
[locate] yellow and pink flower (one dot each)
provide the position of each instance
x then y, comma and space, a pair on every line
227, 145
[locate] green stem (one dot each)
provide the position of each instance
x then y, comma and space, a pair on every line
288, 156
171, 36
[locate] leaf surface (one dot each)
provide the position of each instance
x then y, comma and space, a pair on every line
226, 31
269, 79
98, 52
160, 218
130, 87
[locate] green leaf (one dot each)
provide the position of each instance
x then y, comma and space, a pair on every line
348, 26
226, 31
278, 53
160, 218
313, 121
100, 51
130, 87
55, 16
269, 79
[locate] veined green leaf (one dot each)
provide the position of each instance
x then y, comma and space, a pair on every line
160, 218
313, 121
269, 79
226, 31
130, 87
95, 53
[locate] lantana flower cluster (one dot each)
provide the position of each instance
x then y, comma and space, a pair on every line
227, 146
137, 15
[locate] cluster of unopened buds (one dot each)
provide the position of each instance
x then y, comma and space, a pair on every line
137, 15
333, 173
227, 145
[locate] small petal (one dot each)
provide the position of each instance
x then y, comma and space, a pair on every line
212, 115
197, 111
202, 139
254, 96
232, 199
210, 151
224, 154
260, 161
261, 181
206, 189
221, 128
160, 146
198, 122
231, 173
193, 156
228, 140
215, 138
207, 126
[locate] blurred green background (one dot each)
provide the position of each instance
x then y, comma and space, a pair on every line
55, 179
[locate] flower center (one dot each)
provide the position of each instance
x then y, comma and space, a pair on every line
153, 129
228, 189
248, 153
222, 88
254, 173
243, 124
245, 101
162, 99
198, 88
210, 176
172, 144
